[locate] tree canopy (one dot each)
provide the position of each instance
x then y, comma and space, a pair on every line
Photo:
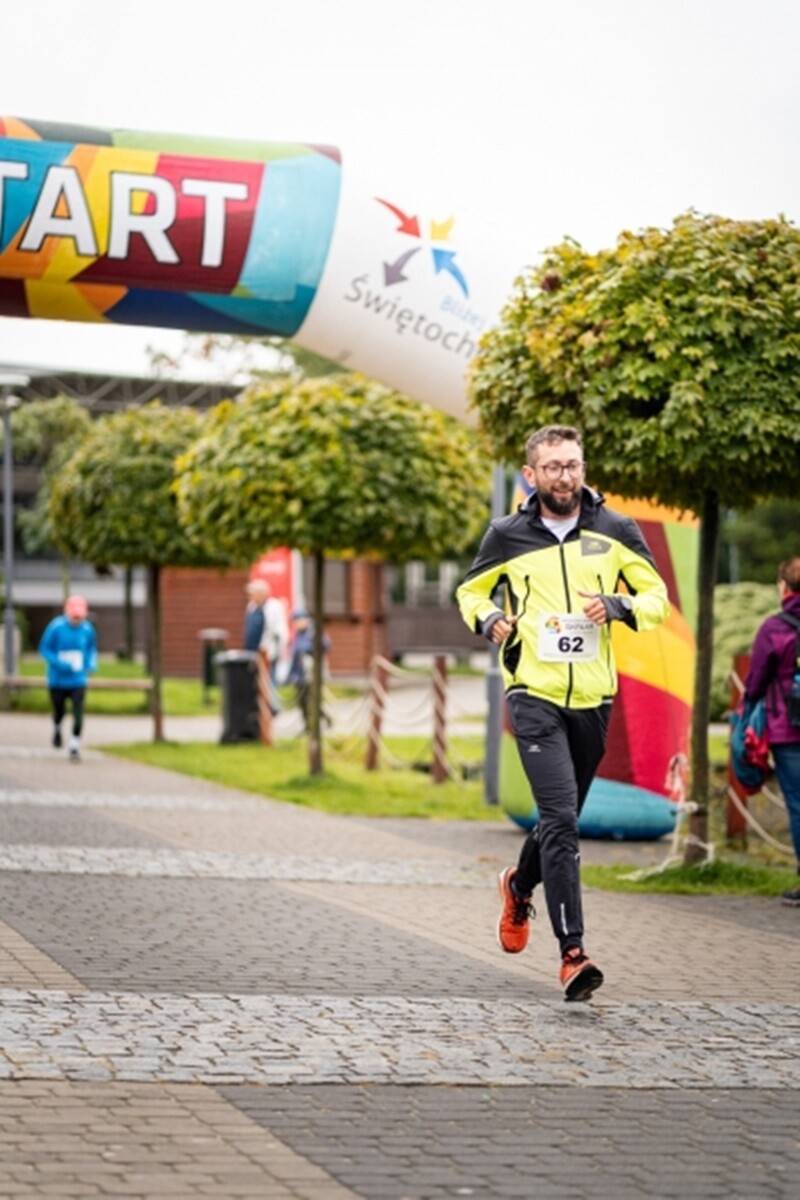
332, 466
46, 432
111, 502
337, 465
43, 427
677, 353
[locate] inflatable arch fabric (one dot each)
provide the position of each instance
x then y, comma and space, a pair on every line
263, 239
280, 239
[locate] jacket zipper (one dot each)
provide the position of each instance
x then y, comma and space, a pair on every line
514, 635
608, 638
565, 576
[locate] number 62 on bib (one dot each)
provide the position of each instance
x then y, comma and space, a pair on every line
564, 637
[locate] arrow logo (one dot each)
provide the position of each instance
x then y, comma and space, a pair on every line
441, 230
393, 272
409, 225
444, 260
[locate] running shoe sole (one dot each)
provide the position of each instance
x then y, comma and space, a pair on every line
581, 986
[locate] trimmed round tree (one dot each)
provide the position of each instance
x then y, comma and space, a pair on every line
335, 466
677, 353
111, 503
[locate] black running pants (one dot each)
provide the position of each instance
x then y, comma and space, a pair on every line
59, 698
560, 749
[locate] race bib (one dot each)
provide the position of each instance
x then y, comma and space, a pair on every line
564, 637
72, 659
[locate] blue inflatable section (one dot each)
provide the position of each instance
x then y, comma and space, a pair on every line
619, 811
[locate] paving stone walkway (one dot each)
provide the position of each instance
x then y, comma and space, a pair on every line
203, 993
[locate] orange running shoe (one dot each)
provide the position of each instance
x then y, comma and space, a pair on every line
579, 976
512, 928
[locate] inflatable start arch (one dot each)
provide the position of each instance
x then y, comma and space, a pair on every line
277, 239
247, 238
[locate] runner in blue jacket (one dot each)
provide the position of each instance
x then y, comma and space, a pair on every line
69, 647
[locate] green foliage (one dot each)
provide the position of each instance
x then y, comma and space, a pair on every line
739, 609
45, 433
111, 502
677, 353
41, 428
761, 539
333, 466
717, 878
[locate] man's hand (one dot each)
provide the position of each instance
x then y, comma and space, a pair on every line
595, 610
502, 627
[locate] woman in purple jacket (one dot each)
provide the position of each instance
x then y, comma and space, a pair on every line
772, 669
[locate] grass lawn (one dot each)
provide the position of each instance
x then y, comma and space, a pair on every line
281, 773
724, 876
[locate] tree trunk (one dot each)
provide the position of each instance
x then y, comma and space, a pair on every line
701, 710
128, 639
315, 763
154, 656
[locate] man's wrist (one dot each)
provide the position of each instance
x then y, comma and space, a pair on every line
488, 624
618, 608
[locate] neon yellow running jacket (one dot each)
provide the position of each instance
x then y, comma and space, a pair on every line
554, 652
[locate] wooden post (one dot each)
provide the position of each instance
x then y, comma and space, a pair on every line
264, 697
440, 768
380, 682
736, 824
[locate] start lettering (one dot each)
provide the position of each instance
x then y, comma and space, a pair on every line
62, 210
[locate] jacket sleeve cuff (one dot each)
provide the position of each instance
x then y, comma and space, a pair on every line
619, 608
488, 623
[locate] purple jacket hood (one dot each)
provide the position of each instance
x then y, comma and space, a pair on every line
772, 668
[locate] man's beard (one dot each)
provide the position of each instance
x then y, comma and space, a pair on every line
564, 504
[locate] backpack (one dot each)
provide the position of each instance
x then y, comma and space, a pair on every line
748, 744
793, 695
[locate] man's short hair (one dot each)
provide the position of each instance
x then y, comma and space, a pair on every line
549, 434
789, 572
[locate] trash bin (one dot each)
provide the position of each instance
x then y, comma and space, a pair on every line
238, 674
213, 641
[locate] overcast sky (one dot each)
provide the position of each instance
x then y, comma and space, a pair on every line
544, 118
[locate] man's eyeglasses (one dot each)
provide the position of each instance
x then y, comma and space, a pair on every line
554, 470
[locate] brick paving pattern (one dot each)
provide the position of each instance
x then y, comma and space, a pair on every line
207, 994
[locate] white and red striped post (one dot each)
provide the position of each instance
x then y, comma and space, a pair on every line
441, 771
264, 706
377, 704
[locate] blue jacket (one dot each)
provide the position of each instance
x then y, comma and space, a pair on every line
70, 652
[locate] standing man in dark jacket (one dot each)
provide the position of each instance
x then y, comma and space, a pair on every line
563, 558
772, 668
